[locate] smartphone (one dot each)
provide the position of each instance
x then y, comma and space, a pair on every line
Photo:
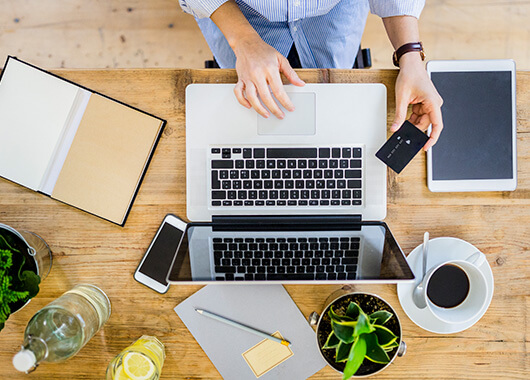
152, 270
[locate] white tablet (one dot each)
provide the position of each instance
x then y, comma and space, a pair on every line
476, 150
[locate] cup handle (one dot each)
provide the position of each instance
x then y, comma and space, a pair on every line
477, 259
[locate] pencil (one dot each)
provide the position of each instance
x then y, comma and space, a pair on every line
242, 327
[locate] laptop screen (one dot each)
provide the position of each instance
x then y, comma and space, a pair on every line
289, 253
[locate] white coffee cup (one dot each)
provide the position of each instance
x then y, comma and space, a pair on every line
476, 297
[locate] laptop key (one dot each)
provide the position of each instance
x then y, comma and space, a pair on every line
247, 153
352, 174
355, 164
222, 164
291, 152
219, 194
216, 203
290, 276
259, 152
323, 152
354, 184
216, 150
225, 269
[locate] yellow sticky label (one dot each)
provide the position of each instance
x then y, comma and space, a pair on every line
266, 355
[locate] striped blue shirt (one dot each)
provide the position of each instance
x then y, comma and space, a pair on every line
326, 33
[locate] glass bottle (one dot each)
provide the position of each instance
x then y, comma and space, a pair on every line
143, 360
61, 328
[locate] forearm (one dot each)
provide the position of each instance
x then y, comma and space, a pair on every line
402, 30
232, 23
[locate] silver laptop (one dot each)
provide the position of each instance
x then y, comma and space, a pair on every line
296, 200
319, 160
288, 249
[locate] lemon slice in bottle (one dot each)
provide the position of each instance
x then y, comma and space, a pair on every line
119, 374
137, 366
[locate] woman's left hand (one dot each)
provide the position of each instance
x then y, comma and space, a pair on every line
413, 86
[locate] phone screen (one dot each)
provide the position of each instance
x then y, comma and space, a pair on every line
158, 259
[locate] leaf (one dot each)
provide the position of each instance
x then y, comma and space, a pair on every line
374, 352
30, 282
391, 346
338, 318
344, 333
353, 310
342, 352
363, 325
332, 341
380, 317
356, 357
384, 336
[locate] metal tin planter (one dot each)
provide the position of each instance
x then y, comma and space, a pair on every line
369, 303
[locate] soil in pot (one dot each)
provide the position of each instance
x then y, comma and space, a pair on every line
370, 305
29, 262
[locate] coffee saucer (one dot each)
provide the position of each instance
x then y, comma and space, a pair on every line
440, 250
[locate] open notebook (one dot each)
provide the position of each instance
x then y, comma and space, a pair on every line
71, 143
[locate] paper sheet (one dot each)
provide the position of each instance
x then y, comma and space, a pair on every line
266, 355
34, 107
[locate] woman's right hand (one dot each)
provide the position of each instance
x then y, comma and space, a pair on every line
258, 67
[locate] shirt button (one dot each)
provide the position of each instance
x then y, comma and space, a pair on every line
297, 3
295, 28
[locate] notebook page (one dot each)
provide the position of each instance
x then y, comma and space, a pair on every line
72, 123
34, 107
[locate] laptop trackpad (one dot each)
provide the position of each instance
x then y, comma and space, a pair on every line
299, 122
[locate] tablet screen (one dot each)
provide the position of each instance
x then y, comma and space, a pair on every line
476, 142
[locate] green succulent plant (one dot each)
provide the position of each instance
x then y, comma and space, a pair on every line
356, 336
16, 285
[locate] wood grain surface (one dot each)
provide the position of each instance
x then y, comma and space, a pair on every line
87, 249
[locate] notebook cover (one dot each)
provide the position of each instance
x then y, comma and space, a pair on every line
106, 158
66, 189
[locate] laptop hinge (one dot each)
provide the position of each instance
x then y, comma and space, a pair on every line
286, 222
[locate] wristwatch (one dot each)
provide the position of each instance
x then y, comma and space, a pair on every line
407, 48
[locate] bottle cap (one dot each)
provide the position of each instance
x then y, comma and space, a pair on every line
24, 360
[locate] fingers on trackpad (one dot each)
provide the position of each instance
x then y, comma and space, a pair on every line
299, 122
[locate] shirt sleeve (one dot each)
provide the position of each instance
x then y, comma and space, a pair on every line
389, 8
200, 8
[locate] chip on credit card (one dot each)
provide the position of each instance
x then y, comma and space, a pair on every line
402, 146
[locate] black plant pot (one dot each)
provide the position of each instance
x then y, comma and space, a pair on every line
370, 303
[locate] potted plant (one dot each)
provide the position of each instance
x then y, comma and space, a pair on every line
359, 335
21, 269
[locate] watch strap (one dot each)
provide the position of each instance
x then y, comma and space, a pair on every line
407, 48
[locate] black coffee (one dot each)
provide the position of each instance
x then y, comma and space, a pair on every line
448, 286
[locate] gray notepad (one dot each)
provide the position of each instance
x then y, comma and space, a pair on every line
268, 308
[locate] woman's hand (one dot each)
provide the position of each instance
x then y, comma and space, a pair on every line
258, 67
413, 86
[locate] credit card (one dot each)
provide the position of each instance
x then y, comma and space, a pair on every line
402, 146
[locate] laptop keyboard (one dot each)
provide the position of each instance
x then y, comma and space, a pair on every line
243, 177
286, 259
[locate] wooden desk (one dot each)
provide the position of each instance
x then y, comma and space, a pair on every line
89, 250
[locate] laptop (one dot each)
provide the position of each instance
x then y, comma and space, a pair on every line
293, 200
